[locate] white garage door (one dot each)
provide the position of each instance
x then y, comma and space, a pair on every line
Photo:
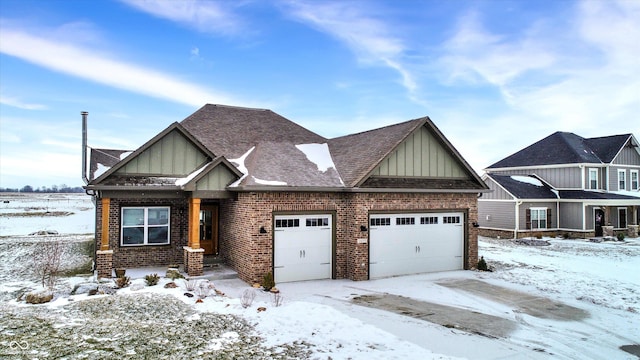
302, 247
402, 244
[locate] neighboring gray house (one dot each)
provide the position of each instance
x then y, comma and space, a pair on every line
564, 184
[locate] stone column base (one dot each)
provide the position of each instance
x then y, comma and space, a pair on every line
193, 259
104, 263
607, 231
632, 231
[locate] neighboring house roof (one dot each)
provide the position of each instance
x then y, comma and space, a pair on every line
593, 195
566, 148
270, 152
525, 186
531, 187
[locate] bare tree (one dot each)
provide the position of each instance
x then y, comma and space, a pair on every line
47, 258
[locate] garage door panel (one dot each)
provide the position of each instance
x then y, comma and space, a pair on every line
302, 251
402, 244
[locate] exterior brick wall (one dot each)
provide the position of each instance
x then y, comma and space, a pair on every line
147, 255
251, 253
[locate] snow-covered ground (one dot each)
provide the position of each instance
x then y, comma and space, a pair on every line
319, 320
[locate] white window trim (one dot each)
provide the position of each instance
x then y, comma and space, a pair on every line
622, 179
637, 186
596, 179
538, 209
625, 217
145, 225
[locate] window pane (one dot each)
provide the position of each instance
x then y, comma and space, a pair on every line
132, 217
133, 236
158, 235
158, 216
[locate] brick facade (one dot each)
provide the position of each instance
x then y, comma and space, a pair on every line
250, 252
139, 256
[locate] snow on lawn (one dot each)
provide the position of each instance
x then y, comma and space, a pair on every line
25, 213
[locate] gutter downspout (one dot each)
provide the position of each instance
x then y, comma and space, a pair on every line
517, 227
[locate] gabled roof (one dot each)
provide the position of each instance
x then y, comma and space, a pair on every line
101, 160
530, 187
358, 154
566, 148
524, 186
273, 153
149, 144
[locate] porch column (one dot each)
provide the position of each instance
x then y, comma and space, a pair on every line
104, 256
632, 230
193, 255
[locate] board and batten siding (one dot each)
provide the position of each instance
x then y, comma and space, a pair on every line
628, 156
571, 216
216, 180
496, 214
559, 178
172, 155
421, 155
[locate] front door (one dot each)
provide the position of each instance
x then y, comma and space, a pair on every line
599, 221
209, 229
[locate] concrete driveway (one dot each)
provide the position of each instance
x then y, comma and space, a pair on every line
473, 321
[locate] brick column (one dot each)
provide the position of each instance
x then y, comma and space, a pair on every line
193, 259
104, 263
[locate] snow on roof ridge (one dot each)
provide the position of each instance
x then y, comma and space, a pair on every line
185, 180
527, 179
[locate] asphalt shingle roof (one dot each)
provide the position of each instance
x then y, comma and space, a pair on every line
565, 148
522, 189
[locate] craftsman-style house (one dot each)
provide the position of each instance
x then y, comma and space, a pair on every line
266, 195
564, 185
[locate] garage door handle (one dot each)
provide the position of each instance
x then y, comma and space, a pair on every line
325, 263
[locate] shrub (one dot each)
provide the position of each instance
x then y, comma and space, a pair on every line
47, 258
620, 236
247, 298
190, 285
482, 265
151, 279
267, 281
123, 282
277, 299
174, 274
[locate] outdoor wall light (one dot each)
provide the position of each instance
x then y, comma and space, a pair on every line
263, 230
475, 224
363, 228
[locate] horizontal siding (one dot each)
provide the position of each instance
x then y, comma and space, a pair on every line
522, 219
571, 216
496, 214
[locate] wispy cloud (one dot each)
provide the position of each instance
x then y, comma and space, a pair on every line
573, 74
370, 38
90, 64
15, 102
205, 16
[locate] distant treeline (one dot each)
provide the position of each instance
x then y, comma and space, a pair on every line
43, 189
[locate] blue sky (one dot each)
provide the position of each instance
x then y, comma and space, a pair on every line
494, 76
